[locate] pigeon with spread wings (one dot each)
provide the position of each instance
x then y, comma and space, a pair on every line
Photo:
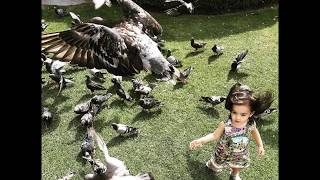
123, 50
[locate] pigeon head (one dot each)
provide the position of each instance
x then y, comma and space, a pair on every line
87, 77
114, 126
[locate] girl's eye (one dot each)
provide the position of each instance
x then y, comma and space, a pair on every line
243, 114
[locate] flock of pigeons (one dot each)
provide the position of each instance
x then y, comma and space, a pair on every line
123, 50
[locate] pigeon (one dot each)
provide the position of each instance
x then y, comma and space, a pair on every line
60, 12
97, 73
100, 99
68, 177
145, 89
44, 25
120, 90
54, 66
46, 115
218, 50
136, 83
149, 102
75, 19
266, 112
87, 119
127, 51
180, 8
93, 85
64, 83
99, 3
82, 108
197, 45
87, 146
125, 130
213, 100
172, 60
238, 60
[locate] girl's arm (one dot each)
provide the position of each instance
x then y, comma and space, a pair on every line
210, 137
257, 138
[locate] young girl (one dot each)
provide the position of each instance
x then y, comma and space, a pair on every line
234, 133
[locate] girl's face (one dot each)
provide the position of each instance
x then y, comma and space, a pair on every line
240, 115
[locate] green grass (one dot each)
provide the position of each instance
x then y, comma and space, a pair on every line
162, 146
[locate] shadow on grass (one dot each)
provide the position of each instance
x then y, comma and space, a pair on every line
144, 115
236, 75
198, 170
120, 103
213, 58
150, 78
118, 140
194, 53
80, 159
210, 111
178, 85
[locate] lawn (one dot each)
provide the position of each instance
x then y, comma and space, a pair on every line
165, 135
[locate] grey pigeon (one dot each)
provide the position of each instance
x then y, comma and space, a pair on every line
213, 100
60, 12
87, 146
136, 83
218, 50
46, 115
145, 89
148, 103
238, 60
97, 73
93, 85
172, 60
44, 25
197, 45
82, 108
87, 119
120, 90
100, 99
123, 129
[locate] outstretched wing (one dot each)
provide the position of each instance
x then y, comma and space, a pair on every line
92, 46
135, 12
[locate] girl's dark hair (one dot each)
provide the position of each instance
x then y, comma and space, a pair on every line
242, 94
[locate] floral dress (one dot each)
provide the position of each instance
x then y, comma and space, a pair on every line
232, 147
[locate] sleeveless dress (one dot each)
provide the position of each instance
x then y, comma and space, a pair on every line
232, 147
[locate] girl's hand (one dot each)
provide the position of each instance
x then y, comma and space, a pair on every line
261, 150
194, 144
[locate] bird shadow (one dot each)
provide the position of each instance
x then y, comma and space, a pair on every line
236, 75
198, 169
118, 140
213, 58
84, 98
119, 103
80, 159
75, 121
194, 53
150, 78
144, 115
210, 111
101, 81
178, 85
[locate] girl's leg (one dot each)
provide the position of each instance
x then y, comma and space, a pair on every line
235, 174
